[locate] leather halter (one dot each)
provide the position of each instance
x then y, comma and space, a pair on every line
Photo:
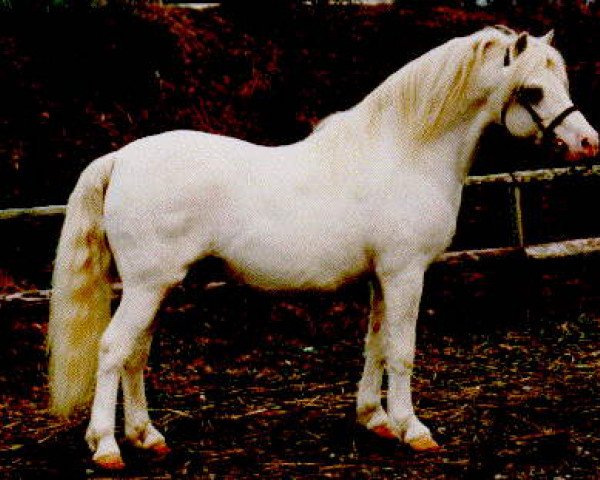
547, 131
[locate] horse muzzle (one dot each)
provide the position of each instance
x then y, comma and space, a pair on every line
568, 134
576, 144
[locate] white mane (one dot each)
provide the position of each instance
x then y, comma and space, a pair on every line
432, 90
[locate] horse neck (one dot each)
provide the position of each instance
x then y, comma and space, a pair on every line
445, 155
369, 144
391, 125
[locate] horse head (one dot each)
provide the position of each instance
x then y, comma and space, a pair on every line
533, 94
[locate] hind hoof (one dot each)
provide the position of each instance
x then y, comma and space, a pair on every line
423, 444
110, 461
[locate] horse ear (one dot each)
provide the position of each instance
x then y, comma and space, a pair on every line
521, 43
548, 37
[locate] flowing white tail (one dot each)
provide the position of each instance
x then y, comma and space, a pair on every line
80, 303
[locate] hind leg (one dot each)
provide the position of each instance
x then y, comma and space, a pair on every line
127, 332
138, 427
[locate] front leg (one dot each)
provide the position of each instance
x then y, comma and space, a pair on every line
401, 298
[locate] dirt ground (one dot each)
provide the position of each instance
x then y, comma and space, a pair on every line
246, 385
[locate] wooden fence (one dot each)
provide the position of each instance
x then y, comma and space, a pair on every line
514, 181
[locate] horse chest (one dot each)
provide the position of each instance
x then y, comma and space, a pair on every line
420, 220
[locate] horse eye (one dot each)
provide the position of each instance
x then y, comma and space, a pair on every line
531, 95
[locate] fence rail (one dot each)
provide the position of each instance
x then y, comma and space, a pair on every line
536, 176
542, 251
553, 250
47, 211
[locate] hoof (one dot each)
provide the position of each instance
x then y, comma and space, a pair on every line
424, 444
384, 432
159, 450
111, 461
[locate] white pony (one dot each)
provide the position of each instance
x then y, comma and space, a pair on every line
375, 189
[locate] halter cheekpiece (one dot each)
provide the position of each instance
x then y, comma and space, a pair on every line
547, 131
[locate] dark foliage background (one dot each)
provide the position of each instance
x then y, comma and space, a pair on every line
75, 84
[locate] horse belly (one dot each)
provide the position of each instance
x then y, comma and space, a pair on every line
282, 272
290, 257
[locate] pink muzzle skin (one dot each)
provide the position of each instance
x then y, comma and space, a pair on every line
579, 145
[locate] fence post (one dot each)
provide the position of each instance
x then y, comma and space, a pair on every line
517, 212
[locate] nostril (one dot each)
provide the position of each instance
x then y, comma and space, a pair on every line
559, 145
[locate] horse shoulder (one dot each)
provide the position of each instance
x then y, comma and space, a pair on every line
413, 217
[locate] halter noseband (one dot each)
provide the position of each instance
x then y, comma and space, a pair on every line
548, 132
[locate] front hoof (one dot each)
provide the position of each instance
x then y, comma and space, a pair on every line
110, 461
423, 444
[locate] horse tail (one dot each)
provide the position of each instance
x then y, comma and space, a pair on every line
81, 292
